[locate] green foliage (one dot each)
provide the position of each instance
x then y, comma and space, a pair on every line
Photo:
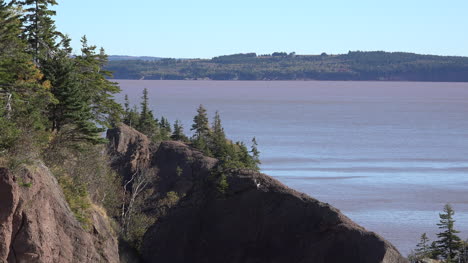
23, 183
449, 247
255, 152
448, 243
200, 124
179, 171
165, 129
76, 195
212, 141
139, 225
423, 248
147, 123
9, 134
172, 198
178, 134
24, 95
39, 27
222, 184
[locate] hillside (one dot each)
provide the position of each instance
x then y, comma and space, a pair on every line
357, 65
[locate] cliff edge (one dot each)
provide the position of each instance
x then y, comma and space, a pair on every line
238, 215
37, 225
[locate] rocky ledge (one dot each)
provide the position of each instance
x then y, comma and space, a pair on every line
255, 218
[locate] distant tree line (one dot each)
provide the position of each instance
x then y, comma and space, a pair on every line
356, 65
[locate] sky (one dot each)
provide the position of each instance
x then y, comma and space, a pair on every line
208, 28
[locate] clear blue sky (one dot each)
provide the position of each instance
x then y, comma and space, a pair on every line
207, 28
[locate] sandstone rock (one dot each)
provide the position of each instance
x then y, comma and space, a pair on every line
130, 149
36, 224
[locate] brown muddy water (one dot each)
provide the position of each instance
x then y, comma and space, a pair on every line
387, 154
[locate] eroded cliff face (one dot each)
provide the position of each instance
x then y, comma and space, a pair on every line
254, 219
37, 225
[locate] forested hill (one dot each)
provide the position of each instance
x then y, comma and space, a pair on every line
378, 65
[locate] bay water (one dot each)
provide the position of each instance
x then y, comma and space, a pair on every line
389, 155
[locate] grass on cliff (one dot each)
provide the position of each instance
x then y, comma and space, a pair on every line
86, 178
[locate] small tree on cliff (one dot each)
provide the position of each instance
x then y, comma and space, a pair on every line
448, 243
255, 152
423, 248
178, 133
201, 127
147, 124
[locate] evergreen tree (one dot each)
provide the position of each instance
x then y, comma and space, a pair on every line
165, 129
218, 140
218, 130
201, 124
255, 152
448, 243
464, 252
178, 134
24, 95
201, 127
39, 28
99, 90
75, 117
131, 116
423, 249
126, 105
147, 124
133, 119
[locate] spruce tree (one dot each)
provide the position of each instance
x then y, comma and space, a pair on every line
218, 141
165, 129
74, 118
448, 243
423, 248
39, 28
24, 95
201, 127
178, 134
147, 124
94, 82
255, 152
200, 123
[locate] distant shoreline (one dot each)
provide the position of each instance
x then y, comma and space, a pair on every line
354, 66
293, 80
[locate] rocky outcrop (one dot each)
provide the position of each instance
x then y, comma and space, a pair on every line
130, 149
254, 218
36, 224
260, 220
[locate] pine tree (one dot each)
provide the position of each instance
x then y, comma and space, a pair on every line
165, 129
464, 252
448, 243
218, 130
126, 105
39, 28
24, 96
201, 127
218, 142
74, 117
93, 81
147, 124
423, 249
255, 152
200, 123
178, 134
